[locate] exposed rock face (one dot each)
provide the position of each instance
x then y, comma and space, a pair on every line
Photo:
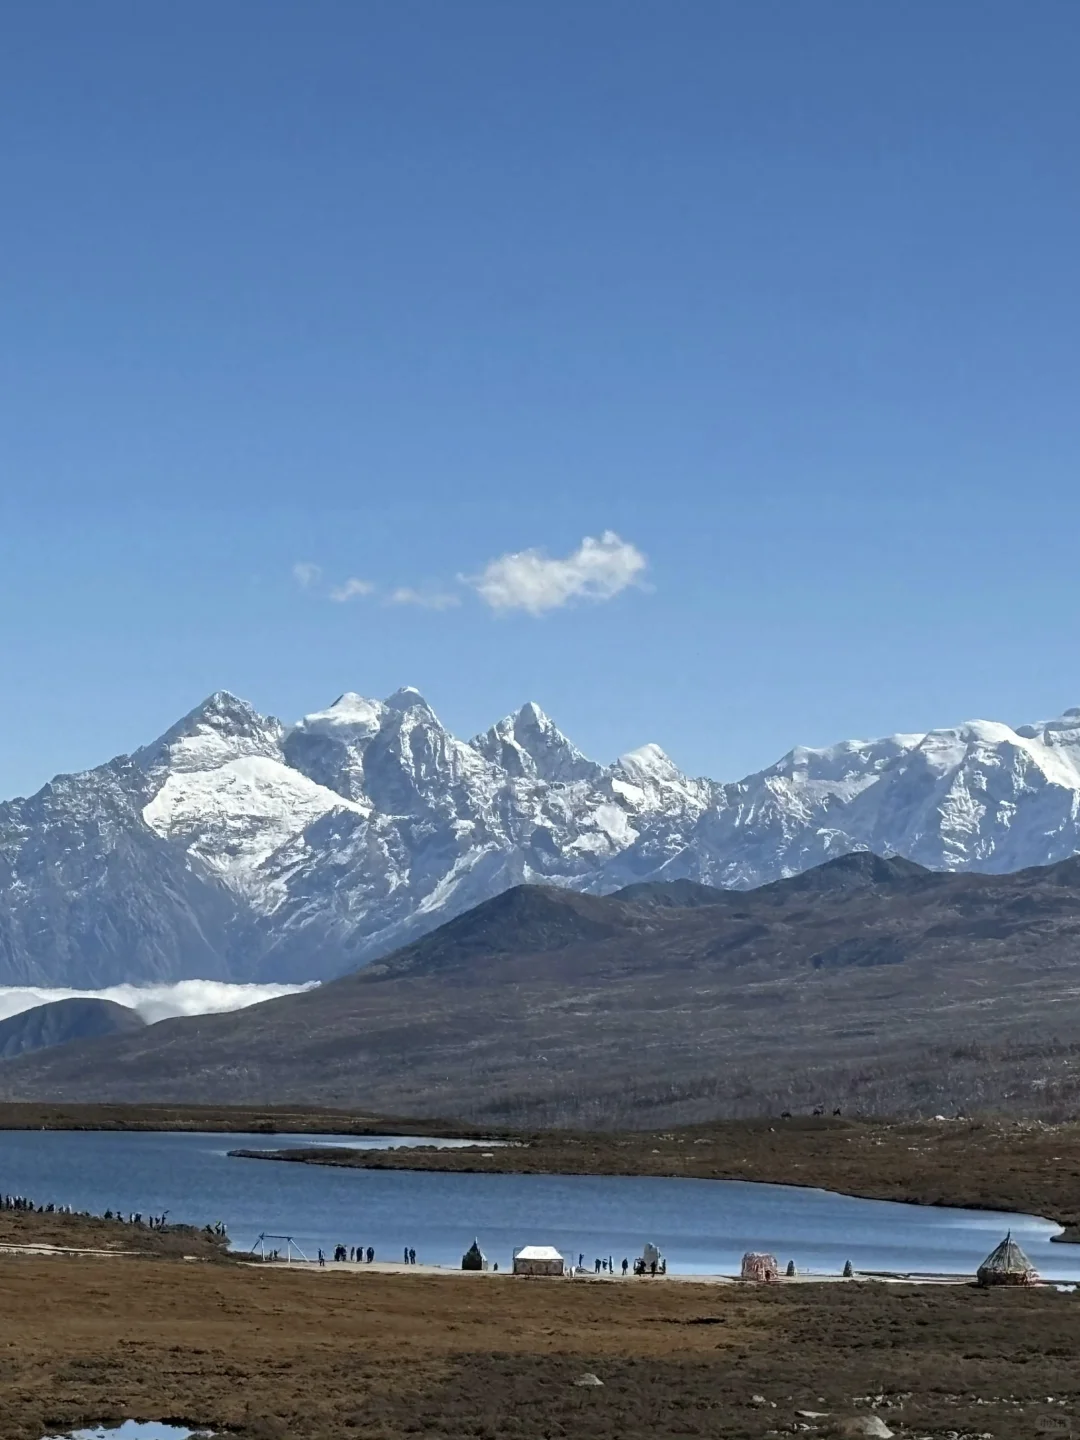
235, 847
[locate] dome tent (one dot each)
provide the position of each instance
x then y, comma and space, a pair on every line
1007, 1265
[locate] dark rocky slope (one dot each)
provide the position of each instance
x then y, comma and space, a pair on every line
62, 1021
868, 984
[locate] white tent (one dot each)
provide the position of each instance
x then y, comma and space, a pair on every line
538, 1260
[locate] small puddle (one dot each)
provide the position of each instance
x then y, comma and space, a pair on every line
134, 1430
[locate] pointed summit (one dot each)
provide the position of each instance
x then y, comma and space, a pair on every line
407, 698
222, 728
531, 746
221, 710
656, 782
531, 714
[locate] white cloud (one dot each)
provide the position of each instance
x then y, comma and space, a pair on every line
530, 580
153, 1002
427, 600
306, 574
351, 589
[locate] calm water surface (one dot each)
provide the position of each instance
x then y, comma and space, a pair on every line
702, 1226
135, 1430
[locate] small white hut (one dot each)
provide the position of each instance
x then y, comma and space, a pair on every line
538, 1260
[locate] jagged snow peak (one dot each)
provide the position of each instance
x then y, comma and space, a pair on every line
236, 848
221, 728
530, 745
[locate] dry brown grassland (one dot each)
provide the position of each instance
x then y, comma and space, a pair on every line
322, 1355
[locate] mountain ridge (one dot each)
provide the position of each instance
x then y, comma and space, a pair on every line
237, 847
62, 1022
875, 985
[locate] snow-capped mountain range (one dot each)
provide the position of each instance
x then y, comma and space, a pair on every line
238, 848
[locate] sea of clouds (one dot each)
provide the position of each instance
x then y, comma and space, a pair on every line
153, 1002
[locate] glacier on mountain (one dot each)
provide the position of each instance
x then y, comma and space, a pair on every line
236, 848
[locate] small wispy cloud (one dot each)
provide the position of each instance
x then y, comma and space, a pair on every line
529, 580
306, 574
533, 581
351, 589
425, 599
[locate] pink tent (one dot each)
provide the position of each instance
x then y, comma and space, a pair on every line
759, 1267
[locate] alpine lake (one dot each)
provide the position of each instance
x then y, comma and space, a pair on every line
702, 1227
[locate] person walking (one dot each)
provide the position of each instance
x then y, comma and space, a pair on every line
406, 1254
322, 1258
625, 1266
412, 1256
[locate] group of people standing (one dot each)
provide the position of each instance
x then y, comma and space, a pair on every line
27, 1206
354, 1254
607, 1267
651, 1267
603, 1267
21, 1202
357, 1255
156, 1222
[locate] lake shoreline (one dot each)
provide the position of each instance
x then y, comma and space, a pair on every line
588, 1277
989, 1164
557, 1154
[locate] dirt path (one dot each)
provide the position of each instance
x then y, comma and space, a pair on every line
60, 1250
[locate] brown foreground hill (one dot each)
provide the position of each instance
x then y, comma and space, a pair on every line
868, 984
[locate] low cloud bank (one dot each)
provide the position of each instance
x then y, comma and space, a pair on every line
153, 1002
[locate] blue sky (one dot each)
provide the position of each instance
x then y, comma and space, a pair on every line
782, 296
